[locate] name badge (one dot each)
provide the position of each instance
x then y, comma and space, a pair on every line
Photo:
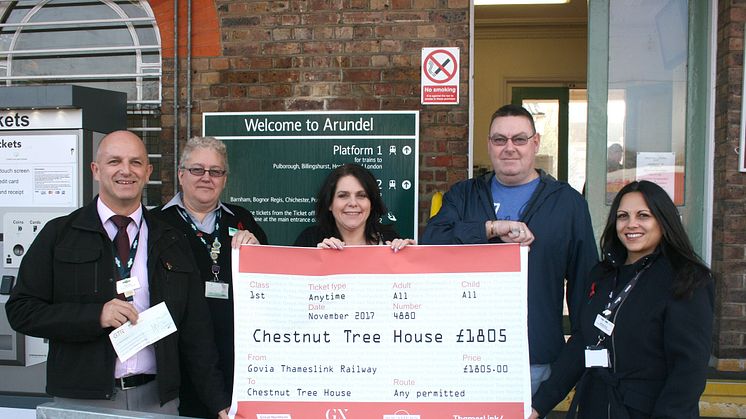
603, 324
214, 289
127, 286
596, 357
232, 231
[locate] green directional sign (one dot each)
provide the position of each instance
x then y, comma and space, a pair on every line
278, 161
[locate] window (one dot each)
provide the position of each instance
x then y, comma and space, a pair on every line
647, 95
107, 44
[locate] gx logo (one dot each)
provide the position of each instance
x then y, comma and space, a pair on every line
336, 413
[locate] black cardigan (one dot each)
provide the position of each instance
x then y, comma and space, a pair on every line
221, 310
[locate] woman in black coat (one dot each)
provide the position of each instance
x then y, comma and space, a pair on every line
348, 212
212, 227
643, 344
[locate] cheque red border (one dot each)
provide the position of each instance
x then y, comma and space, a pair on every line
367, 260
370, 410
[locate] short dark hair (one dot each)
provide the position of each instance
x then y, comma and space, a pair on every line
325, 196
513, 110
691, 272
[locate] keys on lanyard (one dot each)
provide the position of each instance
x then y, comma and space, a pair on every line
214, 254
214, 249
216, 288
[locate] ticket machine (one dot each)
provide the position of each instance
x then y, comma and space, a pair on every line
48, 136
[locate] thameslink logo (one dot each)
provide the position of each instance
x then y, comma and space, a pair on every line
401, 414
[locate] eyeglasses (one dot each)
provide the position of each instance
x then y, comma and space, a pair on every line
200, 171
517, 140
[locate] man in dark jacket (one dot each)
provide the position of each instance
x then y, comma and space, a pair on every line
72, 290
518, 203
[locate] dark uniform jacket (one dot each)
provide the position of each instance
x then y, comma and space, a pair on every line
221, 311
659, 348
63, 283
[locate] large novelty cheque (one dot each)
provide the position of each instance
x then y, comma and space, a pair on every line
428, 332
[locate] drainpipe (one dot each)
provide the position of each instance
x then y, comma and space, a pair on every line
176, 94
189, 71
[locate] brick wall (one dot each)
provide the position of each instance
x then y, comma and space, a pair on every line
329, 55
365, 55
729, 211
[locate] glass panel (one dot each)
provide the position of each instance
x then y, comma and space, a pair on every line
147, 123
576, 150
6, 37
151, 90
47, 66
17, 13
73, 37
116, 85
546, 118
134, 9
146, 35
151, 195
51, 36
54, 11
647, 94
616, 174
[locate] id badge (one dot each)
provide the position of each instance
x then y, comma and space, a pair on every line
596, 357
127, 286
603, 324
214, 289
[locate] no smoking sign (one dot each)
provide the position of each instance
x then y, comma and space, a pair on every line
440, 76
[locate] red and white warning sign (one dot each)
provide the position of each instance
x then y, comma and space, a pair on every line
439, 78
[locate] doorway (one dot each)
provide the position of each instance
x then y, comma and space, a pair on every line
561, 118
531, 47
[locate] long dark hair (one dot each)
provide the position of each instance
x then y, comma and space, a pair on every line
325, 218
690, 271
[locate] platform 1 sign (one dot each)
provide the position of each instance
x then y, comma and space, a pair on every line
278, 161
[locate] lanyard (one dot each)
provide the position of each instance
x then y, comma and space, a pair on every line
614, 303
197, 232
124, 270
214, 248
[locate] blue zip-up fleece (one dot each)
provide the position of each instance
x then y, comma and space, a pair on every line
564, 248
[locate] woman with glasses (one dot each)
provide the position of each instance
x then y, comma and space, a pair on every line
212, 228
348, 212
643, 343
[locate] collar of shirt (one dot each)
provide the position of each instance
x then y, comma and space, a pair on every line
105, 214
208, 224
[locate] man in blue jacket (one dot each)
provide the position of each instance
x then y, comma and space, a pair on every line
521, 204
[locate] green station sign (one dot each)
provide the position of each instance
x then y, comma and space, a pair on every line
278, 161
